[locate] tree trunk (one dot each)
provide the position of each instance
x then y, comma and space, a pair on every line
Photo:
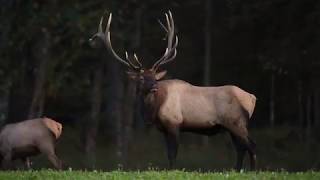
18, 102
42, 54
130, 92
308, 122
118, 118
316, 108
20, 90
93, 121
114, 106
207, 40
128, 116
300, 104
272, 93
207, 52
137, 35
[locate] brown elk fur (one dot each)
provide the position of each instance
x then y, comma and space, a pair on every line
179, 106
29, 138
247, 100
54, 126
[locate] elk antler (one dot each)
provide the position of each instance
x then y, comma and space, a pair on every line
171, 50
105, 37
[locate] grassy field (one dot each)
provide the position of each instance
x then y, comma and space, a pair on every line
176, 175
277, 149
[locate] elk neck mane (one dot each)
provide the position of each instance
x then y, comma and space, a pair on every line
160, 95
154, 100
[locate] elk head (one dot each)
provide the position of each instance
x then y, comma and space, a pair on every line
146, 77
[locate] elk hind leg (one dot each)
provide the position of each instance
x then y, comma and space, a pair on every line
27, 162
252, 153
49, 150
242, 143
240, 150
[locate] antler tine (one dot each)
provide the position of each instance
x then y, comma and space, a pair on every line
108, 42
132, 64
168, 60
164, 59
137, 59
105, 37
170, 29
171, 23
163, 26
174, 51
167, 29
167, 56
99, 31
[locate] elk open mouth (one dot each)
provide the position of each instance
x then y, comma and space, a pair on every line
154, 88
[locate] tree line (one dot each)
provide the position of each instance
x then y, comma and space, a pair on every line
48, 67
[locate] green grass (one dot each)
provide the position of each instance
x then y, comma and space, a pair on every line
282, 148
151, 174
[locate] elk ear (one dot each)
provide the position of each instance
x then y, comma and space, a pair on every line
132, 75
161, 74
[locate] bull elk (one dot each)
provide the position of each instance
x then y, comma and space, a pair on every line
176, 106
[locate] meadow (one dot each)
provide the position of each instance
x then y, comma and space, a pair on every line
280, 149
279, 158
152, 174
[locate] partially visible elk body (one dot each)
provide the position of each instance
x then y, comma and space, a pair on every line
29, 138
176, 106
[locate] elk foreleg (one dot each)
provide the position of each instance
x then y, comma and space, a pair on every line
7, 161
172, 142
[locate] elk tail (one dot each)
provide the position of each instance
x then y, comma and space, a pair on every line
253, 104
